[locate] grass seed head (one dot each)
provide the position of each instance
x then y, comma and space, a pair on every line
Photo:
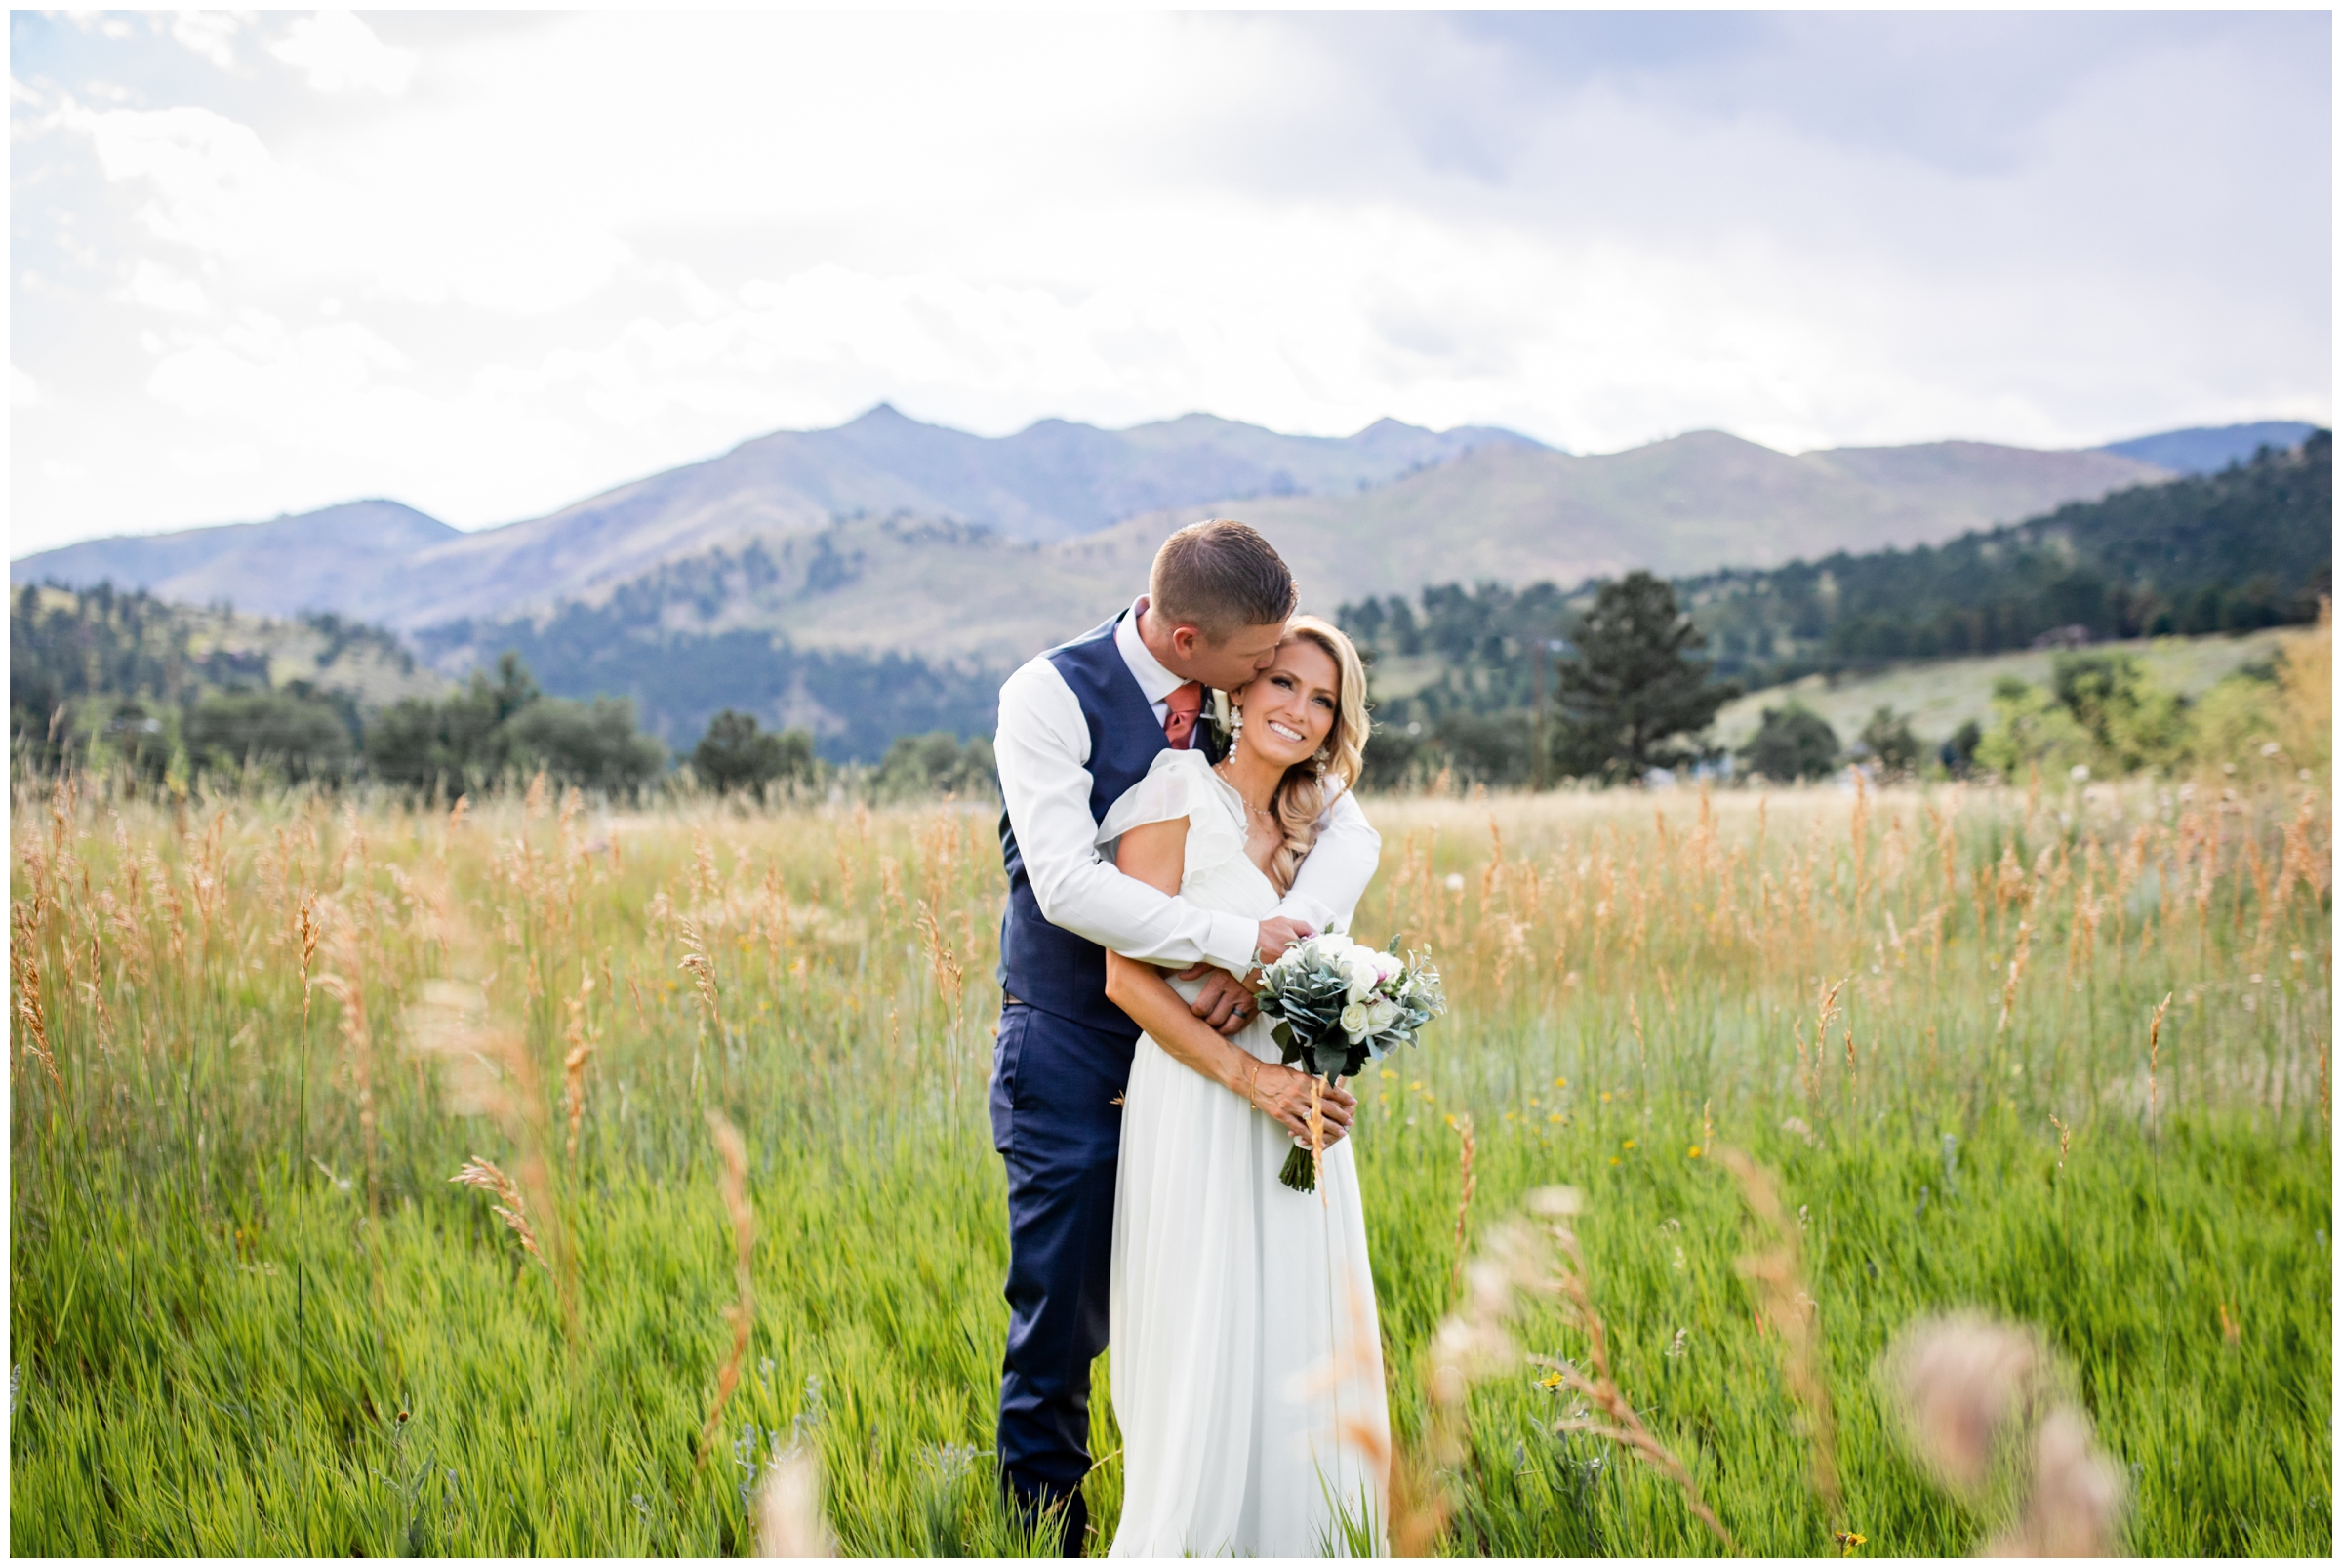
511, 1207
1963, 1384
789, 1508
2074, 1508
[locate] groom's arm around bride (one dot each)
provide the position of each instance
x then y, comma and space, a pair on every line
1048, 733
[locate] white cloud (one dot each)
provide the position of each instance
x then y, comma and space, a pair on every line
158, 288
207, 32
602, 244
216, 188
292, 384
233, 462
337, 52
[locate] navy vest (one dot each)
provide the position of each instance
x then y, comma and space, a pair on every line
1041, 964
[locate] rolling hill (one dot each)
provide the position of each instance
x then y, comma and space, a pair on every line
2209, 449
1688, 504
1054, 480
723, 583
1506, 514
335, 559
1014, 527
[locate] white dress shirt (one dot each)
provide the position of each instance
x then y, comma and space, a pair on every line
1043, 752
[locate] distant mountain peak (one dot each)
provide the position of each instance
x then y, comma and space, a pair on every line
2209, 449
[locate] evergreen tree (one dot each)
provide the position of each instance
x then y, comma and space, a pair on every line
735, 754
1631, 684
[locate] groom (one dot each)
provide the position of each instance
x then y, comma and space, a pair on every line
1079, 726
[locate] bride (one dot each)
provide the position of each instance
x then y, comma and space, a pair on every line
1247, 1366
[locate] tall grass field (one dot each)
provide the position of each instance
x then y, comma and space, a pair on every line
257, 1043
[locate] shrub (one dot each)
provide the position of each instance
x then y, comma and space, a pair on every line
936, 763
1958, 753
593, 746
1394, 759
2132, 721
1792, 742
1887, 736
1490, 748
301, 735
2030, 728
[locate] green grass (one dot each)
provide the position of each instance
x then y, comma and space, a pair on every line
1938, 696
218, 1348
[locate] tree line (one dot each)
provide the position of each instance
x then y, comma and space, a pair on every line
1529, 685
2248, 548
109, 680
680, 681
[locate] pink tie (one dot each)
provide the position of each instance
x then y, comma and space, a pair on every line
1179, 714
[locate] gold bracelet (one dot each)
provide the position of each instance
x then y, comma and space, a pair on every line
1252, 1088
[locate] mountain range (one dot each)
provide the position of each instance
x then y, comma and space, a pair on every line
890, 532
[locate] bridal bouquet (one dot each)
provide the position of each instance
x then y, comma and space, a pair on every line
1339, 1005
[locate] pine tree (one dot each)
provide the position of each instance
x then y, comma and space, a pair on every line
1631, 685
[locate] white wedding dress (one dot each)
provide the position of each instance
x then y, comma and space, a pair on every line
1246, 1356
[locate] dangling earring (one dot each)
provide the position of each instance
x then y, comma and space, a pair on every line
1235, 728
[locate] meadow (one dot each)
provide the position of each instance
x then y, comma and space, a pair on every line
1940, 695
254, 1311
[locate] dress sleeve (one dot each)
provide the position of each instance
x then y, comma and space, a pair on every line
1170, 790
1180, 785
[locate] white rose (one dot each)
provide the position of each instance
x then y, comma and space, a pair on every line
1380, 1014
1389, 965
1362, 979
1354, 1021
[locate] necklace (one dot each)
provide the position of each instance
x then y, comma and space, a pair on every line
1220, 768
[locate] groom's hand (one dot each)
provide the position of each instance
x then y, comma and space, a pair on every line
1223, 1002
1226, 1001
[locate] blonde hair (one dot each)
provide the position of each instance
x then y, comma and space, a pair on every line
1302, 792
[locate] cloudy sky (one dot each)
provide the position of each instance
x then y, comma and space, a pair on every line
489, 264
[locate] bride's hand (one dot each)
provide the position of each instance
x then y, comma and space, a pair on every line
1284, 1094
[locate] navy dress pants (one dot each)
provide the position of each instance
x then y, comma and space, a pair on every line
1056, 1120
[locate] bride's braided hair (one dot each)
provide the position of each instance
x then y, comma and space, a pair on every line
1301, 794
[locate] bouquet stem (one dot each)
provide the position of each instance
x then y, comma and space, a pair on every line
1301, 1171
1301, 1166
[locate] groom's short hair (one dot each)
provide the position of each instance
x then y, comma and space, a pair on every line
1219, 576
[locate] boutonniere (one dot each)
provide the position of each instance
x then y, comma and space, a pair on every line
1221, 717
